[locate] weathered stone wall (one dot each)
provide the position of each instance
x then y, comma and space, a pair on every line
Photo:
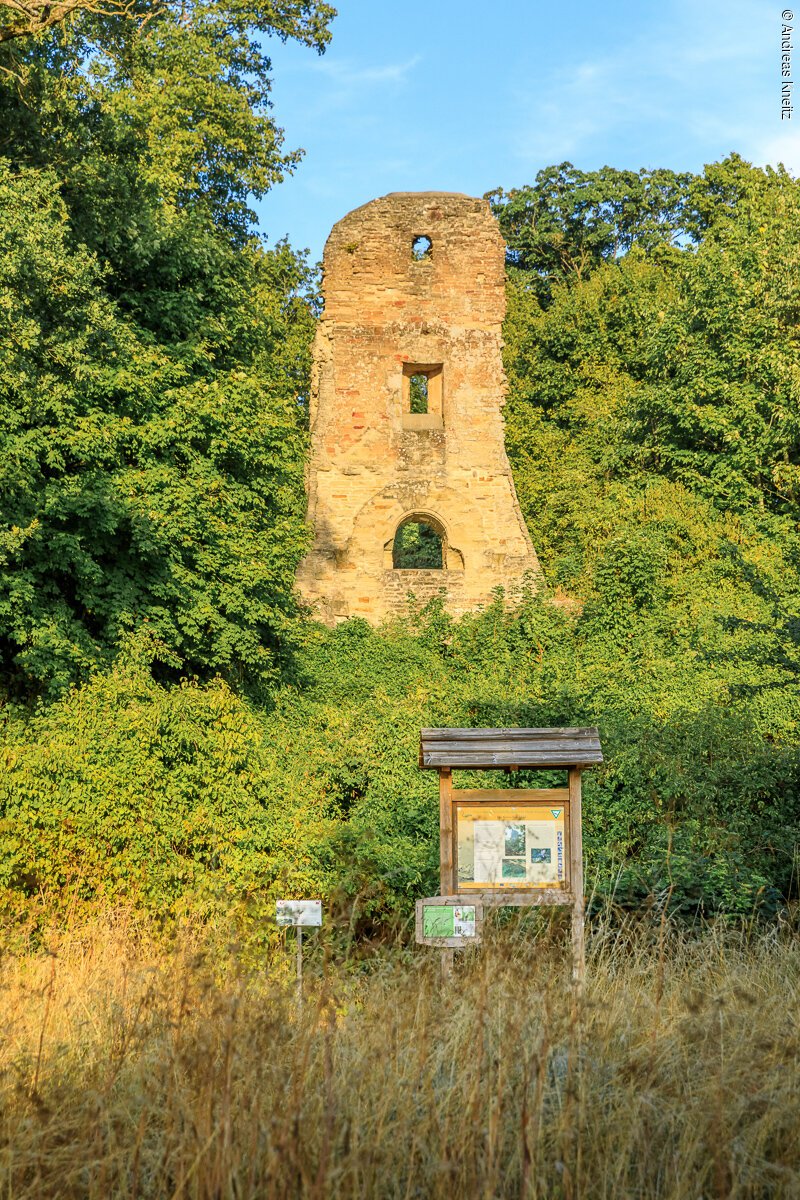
373, 462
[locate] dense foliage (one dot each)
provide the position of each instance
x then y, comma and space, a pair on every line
653, 427
153, 355
191, 798
177, 734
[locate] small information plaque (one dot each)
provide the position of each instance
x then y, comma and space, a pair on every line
448, 921
302, 913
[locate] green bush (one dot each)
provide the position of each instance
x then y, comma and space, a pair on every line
188, 798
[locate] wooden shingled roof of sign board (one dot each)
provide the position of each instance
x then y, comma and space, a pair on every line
487, 748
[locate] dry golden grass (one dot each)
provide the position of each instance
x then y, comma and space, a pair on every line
130, 1071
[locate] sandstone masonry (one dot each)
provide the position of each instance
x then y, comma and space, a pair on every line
414, 288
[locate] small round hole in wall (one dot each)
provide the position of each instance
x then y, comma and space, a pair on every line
421, 248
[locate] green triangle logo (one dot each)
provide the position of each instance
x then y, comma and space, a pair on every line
556, 812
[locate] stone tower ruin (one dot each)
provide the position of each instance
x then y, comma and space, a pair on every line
409, 485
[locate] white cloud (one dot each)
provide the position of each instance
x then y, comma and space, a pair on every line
350, 75
348, 84
696, 78
783, 148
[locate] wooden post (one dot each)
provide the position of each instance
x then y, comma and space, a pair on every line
446, 880
446, 885
576, 879
299, 965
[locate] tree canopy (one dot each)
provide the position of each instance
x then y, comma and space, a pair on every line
153, 354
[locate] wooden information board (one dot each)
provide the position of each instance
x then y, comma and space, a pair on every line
513, 846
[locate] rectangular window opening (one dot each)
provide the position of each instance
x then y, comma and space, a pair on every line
422, 396
418, 389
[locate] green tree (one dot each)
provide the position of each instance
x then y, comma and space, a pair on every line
24, 18
134, 490
154, 356
569, 221
677, 362
652, 428
159, 131
719, 406
417, 546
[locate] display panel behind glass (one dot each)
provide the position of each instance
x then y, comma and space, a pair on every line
510, 846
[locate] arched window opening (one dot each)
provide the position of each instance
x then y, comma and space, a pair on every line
421, 248
418, 546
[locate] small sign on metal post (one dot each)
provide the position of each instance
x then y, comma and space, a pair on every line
298, 914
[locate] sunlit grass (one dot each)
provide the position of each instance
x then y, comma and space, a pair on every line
131, 1070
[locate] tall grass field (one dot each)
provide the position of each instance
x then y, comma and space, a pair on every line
135, 1069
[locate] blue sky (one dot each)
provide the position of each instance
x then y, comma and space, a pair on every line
456, 95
